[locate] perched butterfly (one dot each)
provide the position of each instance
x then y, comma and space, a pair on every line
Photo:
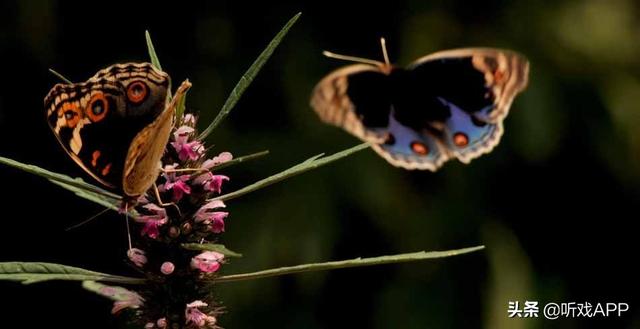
116, 125
446, 105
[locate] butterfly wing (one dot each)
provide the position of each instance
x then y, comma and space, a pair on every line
147, 148
471, 90
96, 121
360, 99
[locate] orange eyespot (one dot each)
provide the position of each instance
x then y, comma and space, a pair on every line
460, 139
419, 148
137, 92
97, 107
71, 114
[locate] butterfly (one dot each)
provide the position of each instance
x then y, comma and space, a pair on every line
446, 105
116, 124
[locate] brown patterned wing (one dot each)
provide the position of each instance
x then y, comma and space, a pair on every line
506, 73
332, 101
142, 164
95, 121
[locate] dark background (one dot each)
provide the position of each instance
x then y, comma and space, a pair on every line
555, 203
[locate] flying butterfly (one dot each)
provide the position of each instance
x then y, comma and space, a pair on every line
116, 125
449, 104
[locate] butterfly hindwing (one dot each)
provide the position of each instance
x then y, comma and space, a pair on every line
360, 99
476, 87
96, 121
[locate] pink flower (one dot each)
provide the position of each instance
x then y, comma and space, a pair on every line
191, 150
189, 119
123, 298
175, 183
167, 268
149, 325
137, 256
186, 150
181, 135
211, 182
153, 221
214, 219
217, 223
221, 158
197, 317
207, 262
162, 323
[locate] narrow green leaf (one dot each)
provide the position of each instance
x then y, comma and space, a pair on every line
32, 272
357, 262
211, 247
312, 163
240, 160
65, 180
248, 77
152, 51
60, 76
114, 293
103, 200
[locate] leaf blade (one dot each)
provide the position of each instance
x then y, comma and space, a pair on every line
241, 159
356, 262
309, 164
152, 51
33, 272
211, 247
248, 77
56, 177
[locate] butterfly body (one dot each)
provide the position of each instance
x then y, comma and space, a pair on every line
116, 124
446, 105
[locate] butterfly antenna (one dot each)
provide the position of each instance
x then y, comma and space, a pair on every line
87, 220
352, 58
126, 215
383, 44
60, 76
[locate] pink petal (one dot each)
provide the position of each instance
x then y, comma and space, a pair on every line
221, 158
137, 256
181, 135
215, 184
207, 262
217, 226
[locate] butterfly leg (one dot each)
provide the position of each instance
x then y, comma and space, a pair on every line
164, 204
194, 170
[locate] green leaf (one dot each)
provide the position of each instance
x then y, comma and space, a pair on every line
32, 272
311, 163
211, 247
114, 293
103, 200
240, 160
152, 51
73, 184
60, 76
357, 262
248, 77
